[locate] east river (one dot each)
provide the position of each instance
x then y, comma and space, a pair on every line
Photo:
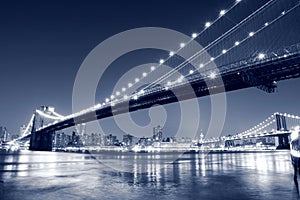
54, 175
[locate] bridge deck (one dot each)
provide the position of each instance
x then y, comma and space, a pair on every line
261, 74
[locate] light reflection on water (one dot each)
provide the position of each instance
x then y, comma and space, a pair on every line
49, 175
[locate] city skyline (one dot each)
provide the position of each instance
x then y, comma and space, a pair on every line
40, 62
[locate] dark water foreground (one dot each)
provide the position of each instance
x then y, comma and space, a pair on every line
54, 175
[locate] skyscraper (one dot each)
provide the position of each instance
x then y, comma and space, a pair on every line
4, 135
127, 140
157, 133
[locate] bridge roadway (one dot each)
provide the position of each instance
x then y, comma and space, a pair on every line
263, 74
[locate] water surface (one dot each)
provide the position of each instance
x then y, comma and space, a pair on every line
53, 175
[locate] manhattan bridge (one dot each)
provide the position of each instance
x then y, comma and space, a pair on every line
247, 54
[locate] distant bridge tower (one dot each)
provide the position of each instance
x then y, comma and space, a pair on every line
283, 140
42, 141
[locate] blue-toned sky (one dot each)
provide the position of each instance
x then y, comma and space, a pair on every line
43, 43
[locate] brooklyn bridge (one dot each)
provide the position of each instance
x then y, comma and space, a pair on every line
237, 59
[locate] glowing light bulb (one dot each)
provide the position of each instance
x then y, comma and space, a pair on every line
251, 34
261, 56
182, 45
152, 68
144, 74
129, 85
123, 89
135, 97
194, 35
136, 80
161, 61
191, 72
171, 53
224, 51
222, 12
201, 65
237, 43
117, 93
212, 75
207, 24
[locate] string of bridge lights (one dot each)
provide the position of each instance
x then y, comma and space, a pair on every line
258, 130
261, 56
254, 131
194, 35
267, 122
162, 61
209, 46
212, 75
288, 115
113, 98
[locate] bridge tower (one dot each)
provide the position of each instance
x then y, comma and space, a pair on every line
41, 141
283, 140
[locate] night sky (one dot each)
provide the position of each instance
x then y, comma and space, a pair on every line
43, 43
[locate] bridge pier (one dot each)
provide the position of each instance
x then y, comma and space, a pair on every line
283, 140
229, 143
41, 141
